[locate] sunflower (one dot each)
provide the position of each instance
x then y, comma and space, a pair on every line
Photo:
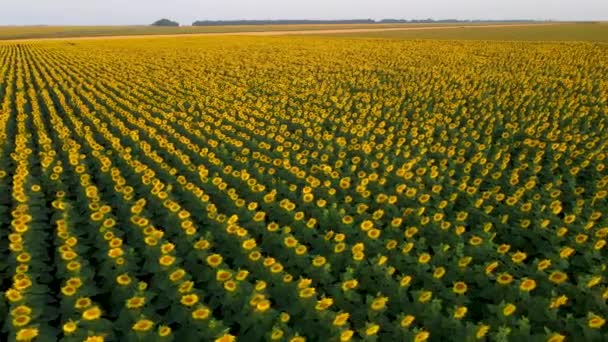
242, 275
367, 225
518, 257
307, 292
558, 277
223, 275
135, 302
594, 281
527, 285
166, 260
358, 256
504, 278
83, 303
164, 331
379, 303
21, 321
262, 305
143, 325
68, 291
260, 285
544, 264
202, 244
424, 198
341, 319
346, 335
349, 284
290, 242
91, 314
373, 233
21, 310
410, 232
276, 334
425, 296
189, 299
27, 334
372, 329
482, 330
557, 302
438, 272
460, 312
226, 338
596, 322
459, 287
201, 313
167, 248
422, 336
424, 258
70, 327
556, 337
407, 247
508, 309
24, 257
405, 281
475, 241
177, 275
491, 267
214, 260
566, 252
123, 279
22, 284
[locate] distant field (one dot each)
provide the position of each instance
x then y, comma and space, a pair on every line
560, 32
27, 32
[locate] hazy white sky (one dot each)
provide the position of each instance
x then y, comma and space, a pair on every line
97, 12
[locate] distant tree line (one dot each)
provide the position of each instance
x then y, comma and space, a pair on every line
165, 22
278, 22
350, 21
415, 21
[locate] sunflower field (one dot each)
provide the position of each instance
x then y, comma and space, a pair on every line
303, 189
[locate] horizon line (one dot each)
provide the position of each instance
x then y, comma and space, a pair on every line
329, 21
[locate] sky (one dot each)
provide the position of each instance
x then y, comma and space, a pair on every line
142, 12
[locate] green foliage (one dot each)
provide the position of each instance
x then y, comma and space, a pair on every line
165, 22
